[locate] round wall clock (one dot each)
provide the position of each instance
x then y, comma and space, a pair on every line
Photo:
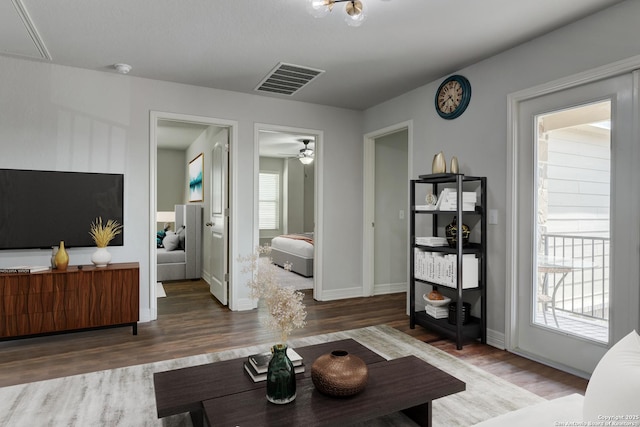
452, 97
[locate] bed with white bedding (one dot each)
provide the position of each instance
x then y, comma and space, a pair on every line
180, 258
295, 249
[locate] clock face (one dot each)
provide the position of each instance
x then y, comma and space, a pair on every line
452, 97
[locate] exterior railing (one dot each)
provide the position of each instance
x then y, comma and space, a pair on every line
584, 288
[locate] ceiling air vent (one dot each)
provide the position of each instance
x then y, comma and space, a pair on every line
287, 79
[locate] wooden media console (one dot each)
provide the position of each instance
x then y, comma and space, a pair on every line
81, 297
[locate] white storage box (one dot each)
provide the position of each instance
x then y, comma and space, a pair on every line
436, 267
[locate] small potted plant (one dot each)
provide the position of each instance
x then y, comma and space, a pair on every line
102, 234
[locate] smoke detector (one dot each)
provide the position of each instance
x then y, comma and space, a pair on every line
122, 68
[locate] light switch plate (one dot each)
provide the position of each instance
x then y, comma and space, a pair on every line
493, 216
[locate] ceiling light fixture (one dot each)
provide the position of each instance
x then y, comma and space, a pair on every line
306, 153
354, 9
306, 160
122, 68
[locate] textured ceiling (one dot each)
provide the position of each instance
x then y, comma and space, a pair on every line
232, 45
176, 135
283, 144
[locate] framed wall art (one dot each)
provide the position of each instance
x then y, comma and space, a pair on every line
196, 179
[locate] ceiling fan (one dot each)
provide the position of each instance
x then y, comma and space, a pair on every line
306, 153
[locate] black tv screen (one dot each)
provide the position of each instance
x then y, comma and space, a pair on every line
38, 208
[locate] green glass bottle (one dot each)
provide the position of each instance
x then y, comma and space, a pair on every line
281, 377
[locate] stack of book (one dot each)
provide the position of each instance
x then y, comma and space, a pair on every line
437, 312
431, 241
25, 269
257, 365
448, 200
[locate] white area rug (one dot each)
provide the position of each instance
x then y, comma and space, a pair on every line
125, 396
160, 293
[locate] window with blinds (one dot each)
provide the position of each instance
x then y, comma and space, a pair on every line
269, 201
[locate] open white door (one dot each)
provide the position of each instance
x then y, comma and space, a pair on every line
219, 222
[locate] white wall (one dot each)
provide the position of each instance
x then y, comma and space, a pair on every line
171, 171
479, 137
63, 118
300, 196
309, 178
295, 196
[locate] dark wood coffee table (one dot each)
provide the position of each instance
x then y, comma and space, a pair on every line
222, 393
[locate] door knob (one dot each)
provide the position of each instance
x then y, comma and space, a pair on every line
210, 224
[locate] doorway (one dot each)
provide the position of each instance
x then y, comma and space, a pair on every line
574, 218
208, 144
387, 169
288, 199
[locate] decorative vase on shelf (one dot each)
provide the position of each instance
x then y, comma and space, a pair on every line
281, 377
101, 257
54, 251
61, 257
439, 164
455, 168
451, 233
339, 374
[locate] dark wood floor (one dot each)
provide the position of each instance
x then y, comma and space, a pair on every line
191, 322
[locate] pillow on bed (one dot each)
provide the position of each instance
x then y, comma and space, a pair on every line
171, 241
159, 237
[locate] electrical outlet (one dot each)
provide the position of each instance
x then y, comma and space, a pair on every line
401, 215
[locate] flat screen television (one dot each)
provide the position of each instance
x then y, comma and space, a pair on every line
40, 208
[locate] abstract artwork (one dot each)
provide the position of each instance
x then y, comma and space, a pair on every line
196, 182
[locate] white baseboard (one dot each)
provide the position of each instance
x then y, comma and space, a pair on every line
495, 339
337, 294
357, 291
389, 288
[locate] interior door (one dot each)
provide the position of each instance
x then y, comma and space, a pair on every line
551, 291
219, 222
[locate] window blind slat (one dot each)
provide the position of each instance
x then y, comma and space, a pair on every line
268, 201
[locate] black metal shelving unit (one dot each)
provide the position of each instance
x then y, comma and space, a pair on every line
476, 327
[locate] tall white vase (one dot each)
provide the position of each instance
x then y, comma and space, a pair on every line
101, 257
